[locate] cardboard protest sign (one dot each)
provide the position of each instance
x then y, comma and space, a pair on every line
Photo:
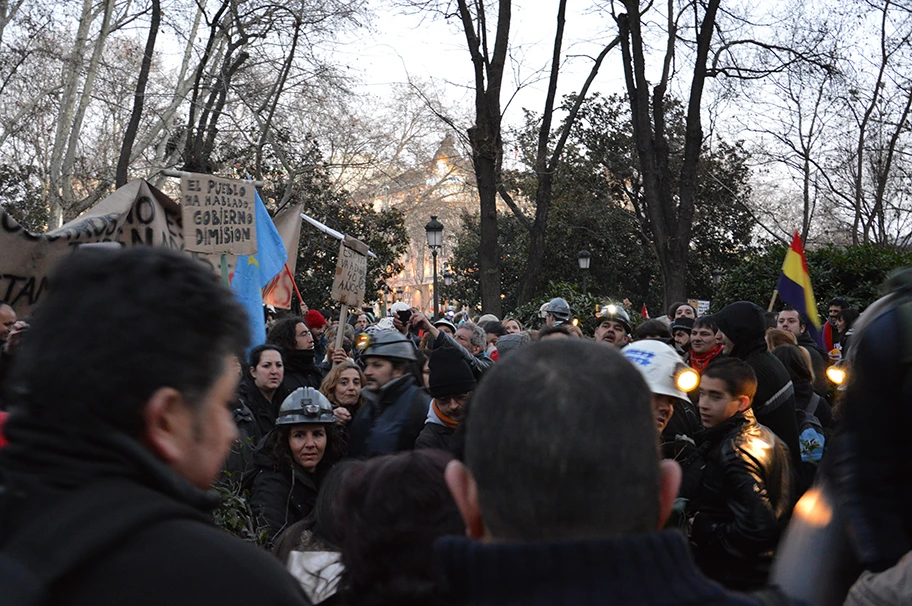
280, 290
137, 214
351, 273
219, 215
700, 305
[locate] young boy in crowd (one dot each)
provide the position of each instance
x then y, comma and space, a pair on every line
736, 516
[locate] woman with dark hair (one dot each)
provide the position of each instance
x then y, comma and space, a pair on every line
293, 460
297, 345
261, 389
844, 322
394, 507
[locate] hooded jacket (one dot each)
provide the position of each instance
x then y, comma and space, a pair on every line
181, 561
774, 403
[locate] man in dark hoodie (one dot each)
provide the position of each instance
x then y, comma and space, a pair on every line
742, 330
451, 384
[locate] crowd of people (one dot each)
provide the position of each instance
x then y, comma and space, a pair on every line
417, 460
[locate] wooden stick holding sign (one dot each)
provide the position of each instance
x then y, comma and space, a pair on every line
350, 281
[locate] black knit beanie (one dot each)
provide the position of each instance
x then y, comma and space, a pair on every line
450, 375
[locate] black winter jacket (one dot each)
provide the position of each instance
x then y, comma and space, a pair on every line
300, 371
640, 570
437, 436
264, 411
743, 503
390, 421
478, 364
181, 561
281, 496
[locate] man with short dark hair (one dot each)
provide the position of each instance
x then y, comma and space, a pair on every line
562, 489
831, 335
703, 346
110, 459
744, 500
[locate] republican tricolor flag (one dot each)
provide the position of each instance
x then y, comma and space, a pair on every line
795, 286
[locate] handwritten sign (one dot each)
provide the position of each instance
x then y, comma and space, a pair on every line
219, 215
137, 214
351, 273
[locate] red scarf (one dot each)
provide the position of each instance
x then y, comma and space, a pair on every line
446, 420
699, 361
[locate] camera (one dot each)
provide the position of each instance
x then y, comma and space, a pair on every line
404, 315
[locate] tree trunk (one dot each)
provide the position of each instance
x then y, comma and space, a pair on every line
485, 138
123, 163
670, 210
70, 77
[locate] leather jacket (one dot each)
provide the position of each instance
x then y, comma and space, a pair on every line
744, 501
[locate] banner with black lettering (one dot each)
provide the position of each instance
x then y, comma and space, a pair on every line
137, 214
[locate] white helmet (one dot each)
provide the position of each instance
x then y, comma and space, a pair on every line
664, 370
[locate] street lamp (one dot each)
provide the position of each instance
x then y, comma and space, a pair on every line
434, 230
584, 257
448, 278
399, 294
717, 277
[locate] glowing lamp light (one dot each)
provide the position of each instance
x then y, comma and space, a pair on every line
836, 374
687, 379
362, 341
575, 322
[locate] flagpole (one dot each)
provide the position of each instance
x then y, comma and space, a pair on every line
291, 277
330, 231
773, 300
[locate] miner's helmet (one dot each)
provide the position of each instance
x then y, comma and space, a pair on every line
390, 344
559, 308
664, 370
616, 313
305, 405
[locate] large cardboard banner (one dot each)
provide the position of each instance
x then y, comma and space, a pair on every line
219, 215
280, 290
137, 214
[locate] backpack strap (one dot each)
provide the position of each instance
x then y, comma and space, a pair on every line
75, 531
813, 403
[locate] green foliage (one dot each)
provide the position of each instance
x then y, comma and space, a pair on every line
235, 515
855, 273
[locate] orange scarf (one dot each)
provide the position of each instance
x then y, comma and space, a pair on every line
446, 420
